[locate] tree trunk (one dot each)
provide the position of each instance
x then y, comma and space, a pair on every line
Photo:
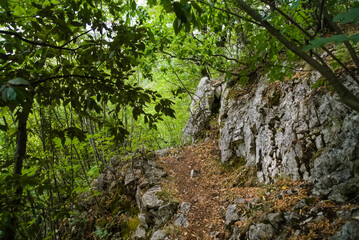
20, 152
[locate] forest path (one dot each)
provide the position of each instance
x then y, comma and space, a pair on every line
203, 190
214, 187
209, 190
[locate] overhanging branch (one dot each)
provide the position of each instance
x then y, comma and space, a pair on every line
62, 76
17, 35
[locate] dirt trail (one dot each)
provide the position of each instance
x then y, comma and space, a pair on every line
204, 190
215, 187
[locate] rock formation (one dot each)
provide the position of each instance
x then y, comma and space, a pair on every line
205, 103
143, 177
284, 129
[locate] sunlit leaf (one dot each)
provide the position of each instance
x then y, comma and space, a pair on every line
19, 82
322, 41
295, 4
11, 94
352, 16
177, 25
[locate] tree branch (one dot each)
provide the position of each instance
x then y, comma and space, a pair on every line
344, 93
347, 44
231, 13
62, 76
295, 23
17, 35
76, 38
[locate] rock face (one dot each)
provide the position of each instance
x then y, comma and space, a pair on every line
350, 231
261, 231
142, 179
286, 129
205, 102
231, 214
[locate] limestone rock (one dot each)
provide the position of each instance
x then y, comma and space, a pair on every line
350, 231
231, 214
291, 217
261, 231
284, 128
182, 221
143, 219
275, 219
163, 152
150, 198
185, 207
194, 173
236, 234
99, 183
203, 105
140, 233
335, 171
158, 235
164, 213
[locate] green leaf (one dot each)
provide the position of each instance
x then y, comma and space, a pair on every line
354, 38
167, 5
295, 4
339, 38
11, 94
136, 112
266, 17
169, 112
352, 16
36, 26
73, 132
197, 7
179, 10
177, 25
320, 82
244, 80
158, 108
112, 53
187, 27
4, 94
150, 35
2, 88
38, 6
322, 41
19, 82
228, 75
46, 12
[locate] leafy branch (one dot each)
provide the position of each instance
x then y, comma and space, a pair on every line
19, 36
63, 76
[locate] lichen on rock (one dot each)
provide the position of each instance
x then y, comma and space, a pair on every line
285, 129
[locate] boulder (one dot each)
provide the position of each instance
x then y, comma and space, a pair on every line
164, 213
181, 221
185, 207
231, 214
236, 234
150, 199
140, 233
261, 231
350, 231
158, 235
275, 219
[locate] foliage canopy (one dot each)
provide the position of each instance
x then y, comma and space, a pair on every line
84, 80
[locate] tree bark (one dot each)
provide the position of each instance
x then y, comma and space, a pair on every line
20, 152
344, 93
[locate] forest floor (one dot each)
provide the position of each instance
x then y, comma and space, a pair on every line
203, 190
213, 187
